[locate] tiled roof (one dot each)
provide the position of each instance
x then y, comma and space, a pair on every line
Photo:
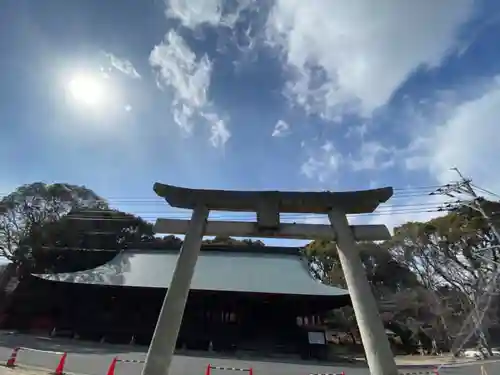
217, 270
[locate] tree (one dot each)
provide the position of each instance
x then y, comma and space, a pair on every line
384, 273
389, 280
324, 263
226, 240
445, 255
25, 211
166, 242
87, 238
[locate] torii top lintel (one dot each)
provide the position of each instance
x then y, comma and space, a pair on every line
349, 202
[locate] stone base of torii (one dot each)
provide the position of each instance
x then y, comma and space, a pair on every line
268, 205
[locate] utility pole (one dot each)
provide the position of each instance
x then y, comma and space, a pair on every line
476, 205
463, 186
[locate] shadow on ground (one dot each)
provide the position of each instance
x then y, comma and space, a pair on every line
60, 344
126, 351
13, 340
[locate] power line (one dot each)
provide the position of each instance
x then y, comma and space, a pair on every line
418, 195
485, 191
476, 204
397, 191
151, 216
416, 188
384, 207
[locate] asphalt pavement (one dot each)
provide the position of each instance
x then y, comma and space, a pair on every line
94, 359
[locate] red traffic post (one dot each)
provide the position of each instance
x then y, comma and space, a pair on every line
112, 366
60, 366
11, 362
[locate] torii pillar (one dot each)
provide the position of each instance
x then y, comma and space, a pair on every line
268, 205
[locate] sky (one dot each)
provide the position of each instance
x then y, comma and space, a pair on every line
281, 95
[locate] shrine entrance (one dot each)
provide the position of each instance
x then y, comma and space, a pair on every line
268, 205
261, 325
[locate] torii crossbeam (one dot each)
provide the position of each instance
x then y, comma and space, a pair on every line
268, 205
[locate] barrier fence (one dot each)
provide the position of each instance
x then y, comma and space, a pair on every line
12, 361
224, 368
210, 367
112, 366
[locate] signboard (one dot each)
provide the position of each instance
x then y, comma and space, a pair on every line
316, 338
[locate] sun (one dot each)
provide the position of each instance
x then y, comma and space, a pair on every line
87, 90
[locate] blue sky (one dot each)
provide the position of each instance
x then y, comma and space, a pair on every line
290, 94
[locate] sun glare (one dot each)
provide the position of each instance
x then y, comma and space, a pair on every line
87, 90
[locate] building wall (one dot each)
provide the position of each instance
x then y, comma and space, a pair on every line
220, 321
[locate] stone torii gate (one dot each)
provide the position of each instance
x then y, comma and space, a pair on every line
268, 205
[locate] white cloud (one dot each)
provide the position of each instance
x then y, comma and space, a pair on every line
123, 65
326, 162
180, 70
193, 13
281, 129
323, 163
467, 139
372, 155
353, 55
219, 133
357, 131
461, 130
188, 77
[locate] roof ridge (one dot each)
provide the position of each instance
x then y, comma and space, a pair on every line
248, 249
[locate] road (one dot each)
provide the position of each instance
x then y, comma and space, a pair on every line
94, 359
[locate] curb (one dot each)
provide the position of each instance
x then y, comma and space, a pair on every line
449, 365
41, 369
